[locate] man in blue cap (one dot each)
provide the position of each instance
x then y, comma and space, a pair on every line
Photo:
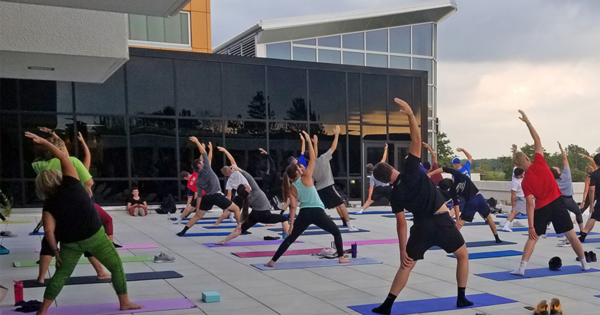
465, 169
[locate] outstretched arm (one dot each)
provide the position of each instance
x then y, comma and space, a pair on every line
589, 158
564, 155
307, 177
435, 172
210, 152
385, 154
415, 133
336, 131
66, 165
303, 144
229, 157
469, 156
53, 134
433, 157
87, 159
537, 142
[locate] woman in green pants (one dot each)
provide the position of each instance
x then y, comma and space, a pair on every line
70, 214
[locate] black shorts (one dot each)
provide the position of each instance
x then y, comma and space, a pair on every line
438, 230
47, 250
475, 205
218, 199
330, 197
238, 201
555, 212
381, 192
596, 214
260, 216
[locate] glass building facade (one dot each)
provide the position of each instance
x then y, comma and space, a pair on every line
137, 124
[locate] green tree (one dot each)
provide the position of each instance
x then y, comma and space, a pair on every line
444, 150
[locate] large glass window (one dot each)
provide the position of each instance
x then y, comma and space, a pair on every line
198, 88
398, 62
354, 147
325, 135
150, 86
354, 41
10, 160
279, 51
423, 39
327, 90
106, 139
354, 58
242, 140
310, 42
110, 192
425, 65
153, 147
12, 190
399, 133
374, 132
305, 54
284, 141
400, 87
354, 98
47, 96
331, 41
287, 93
376, 60
153, 191
174, 29
243, 89
330, 56
8, 94
400, 40
105, 98
206, 131
374, 98
377, 40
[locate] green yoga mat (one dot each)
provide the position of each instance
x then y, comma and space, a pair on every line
9, 222
22, 264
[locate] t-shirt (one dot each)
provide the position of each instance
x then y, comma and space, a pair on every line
207, 179
376, 183
415, 192
462, 186
54, 164
302, 160
595, 182
539, 182
257, 198
466, 169
191, 184
565, 183
135, 202
74, 212
322, 173
437, 177
515, 185
235, 179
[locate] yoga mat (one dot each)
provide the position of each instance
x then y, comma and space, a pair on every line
256, 243
337, 218
320, 232
372, 212
15, 222
435, 305
592, 240
207, 234
519, 216
203, 222
138, 276
482, 244
312, 227
502, 253
518, 229
555, 235
113, 308
125, 259
478, 223
373, 242
38, 233
268, 253
535, 273
316, 263
229, 226
4, 250
133, 246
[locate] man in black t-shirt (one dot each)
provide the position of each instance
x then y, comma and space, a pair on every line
415, 192
593, 195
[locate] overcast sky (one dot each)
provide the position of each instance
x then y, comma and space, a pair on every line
494, 57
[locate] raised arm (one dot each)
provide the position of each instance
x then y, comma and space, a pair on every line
53, 134
308, 173
564, 155
87, 159
229, 157
336, 131
469, 157
210, 152
589, 158
385, 153
433, 156
537, 142
415, 133
67, 167
303, 144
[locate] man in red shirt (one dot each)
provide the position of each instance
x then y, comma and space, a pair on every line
539, 183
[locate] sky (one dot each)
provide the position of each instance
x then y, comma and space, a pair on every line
494, 58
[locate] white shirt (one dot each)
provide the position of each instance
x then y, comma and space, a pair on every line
235, 180
515, 185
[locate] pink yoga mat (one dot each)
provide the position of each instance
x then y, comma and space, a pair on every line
113, 308
268, 253
134, 246
373, 242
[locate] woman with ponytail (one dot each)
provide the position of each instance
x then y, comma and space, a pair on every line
298, 184
252, 196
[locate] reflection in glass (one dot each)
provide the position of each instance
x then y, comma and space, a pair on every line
330, 56
374, 132
138, 28
327, 90
284, 141
374, 99
377, 40
354, 147
47, 96
242, 140
153, 191
400, 40
426, 65
287, 93
310, 41
354, 58
153, 147
399, 133
12, 190
105, 98
198, 88
423, 39
331, 41
305, 54
354, 41
112, 192
150, 86
279, 51
354, 98
376, 60
401, 87
397, 62
10, 160
355, 189
243, 89
206, 131
325, 134
8, 94
106, 139
31, 197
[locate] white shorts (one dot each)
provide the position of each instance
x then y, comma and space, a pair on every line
520, 205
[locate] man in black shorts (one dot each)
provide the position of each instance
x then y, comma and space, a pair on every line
209, 182
415, 192
593, 196
377, 189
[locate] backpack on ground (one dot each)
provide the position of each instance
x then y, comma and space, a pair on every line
167, 205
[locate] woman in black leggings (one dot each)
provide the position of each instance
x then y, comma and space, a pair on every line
298, 184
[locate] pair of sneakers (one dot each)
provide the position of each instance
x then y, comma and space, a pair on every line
545, 308
589, 257
163, 258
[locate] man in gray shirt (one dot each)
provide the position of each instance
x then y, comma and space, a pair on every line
565, 183
377, 189
324, 182
209, 182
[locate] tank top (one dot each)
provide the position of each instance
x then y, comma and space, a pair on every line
308, 196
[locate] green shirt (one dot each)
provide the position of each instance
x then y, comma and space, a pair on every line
54, 164
308, 196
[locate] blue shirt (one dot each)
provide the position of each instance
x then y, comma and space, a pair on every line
302, 160
466, 169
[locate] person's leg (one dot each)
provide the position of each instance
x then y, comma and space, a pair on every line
492, 225
101, 274
197, 216
573, 207
462, 274
45, 261
184, 213
527, 251
366, 206
398, 285
223, 216
269, 218
324, 222
245, 226
236, 211
577, 248
589, 226
300, 224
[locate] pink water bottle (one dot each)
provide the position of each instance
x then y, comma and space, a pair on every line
18, 291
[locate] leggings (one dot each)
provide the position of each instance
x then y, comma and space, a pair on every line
573, 207
586, 203
308, 216
102, 248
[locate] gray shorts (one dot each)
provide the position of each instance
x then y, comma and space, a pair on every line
520, 205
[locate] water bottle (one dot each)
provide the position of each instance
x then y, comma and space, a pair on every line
354, 249
18, 291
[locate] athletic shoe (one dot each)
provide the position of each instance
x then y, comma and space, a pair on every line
544, 235
506, 229
502, 223
117, 245
360, 211
541, 308
592, 257
353, 229
177, 221
246, 233
564, 243
518, 224
232, 218
163, 258
555, 307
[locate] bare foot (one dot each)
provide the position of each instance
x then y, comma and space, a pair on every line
104, 276
214, 225
220, 243
130, 306
40, 281
270, 264
343, 260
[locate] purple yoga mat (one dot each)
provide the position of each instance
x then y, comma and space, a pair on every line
276, 242
134, 246
268, 253
373, 242
113, 308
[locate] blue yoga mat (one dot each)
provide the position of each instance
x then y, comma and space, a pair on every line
535, 273
228, 226
207, 234
482, 244
393, 216
372, 212
4, 250
555, 235
317, 263
206, 222
435, 305
320, 232
477, 223
592, 240
518, 229
312, 227
38, 233
519, 216
502, 253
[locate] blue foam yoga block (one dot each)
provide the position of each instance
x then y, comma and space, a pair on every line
211, 296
